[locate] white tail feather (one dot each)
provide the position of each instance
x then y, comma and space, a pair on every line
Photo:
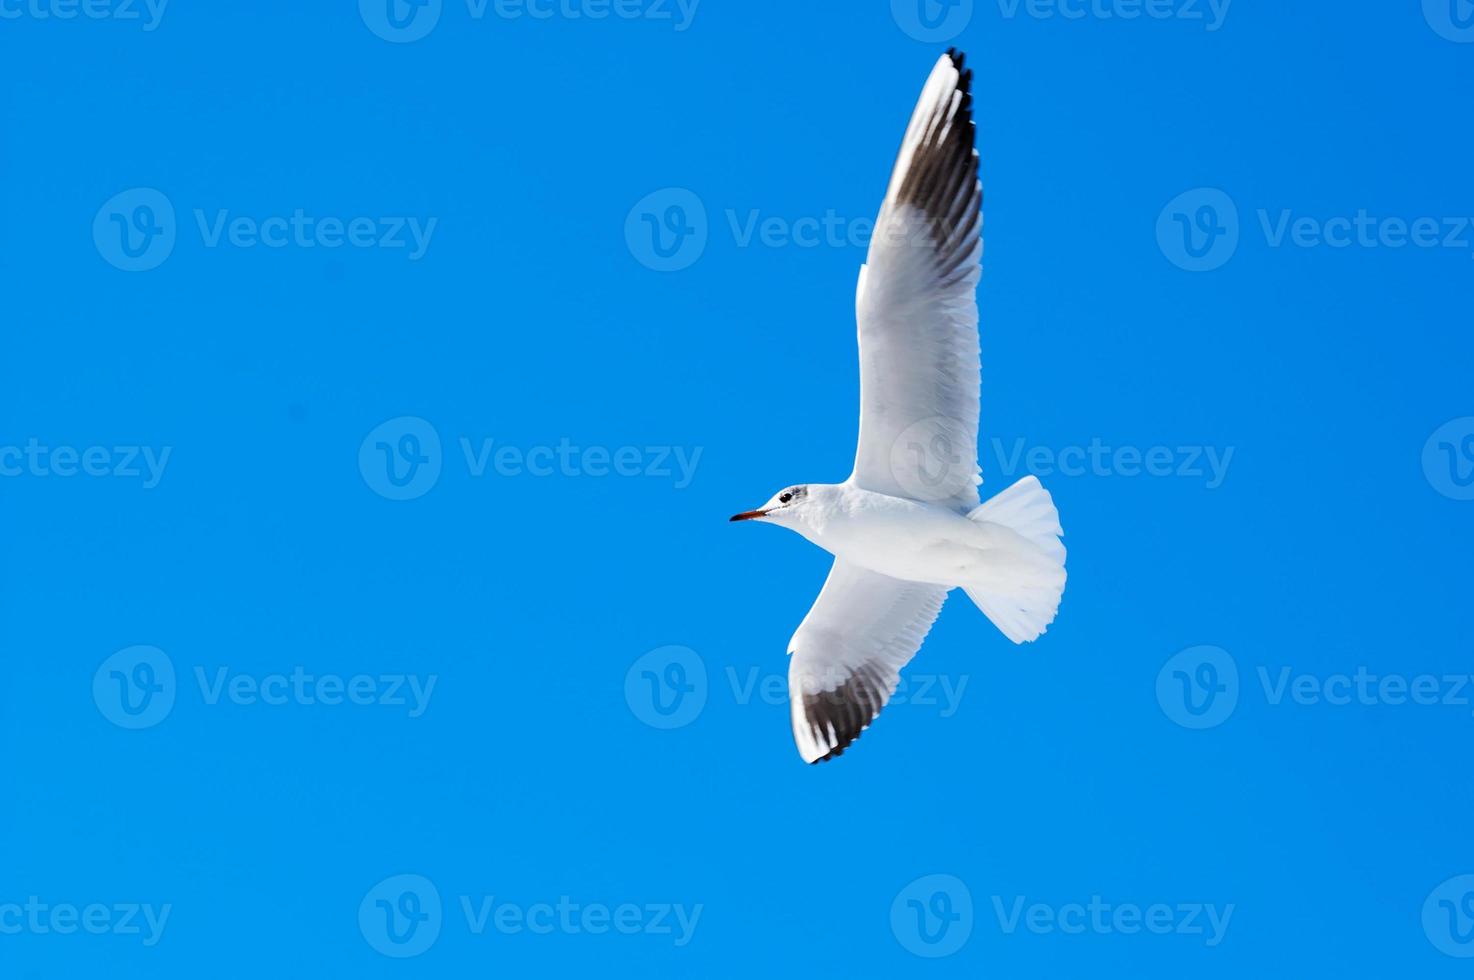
1030, 558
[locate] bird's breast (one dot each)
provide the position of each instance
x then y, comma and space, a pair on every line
893, 539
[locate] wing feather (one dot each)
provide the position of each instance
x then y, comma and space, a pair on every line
848, 653
916, 307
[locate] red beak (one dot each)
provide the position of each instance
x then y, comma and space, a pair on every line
748, 515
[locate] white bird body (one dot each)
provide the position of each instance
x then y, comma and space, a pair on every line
907, 526
905, 539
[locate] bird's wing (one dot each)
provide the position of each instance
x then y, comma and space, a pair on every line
848, 653
917, 309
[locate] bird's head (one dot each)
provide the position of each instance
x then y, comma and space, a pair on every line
785, 506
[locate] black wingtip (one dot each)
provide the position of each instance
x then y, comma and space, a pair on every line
835, 752
964, 74
842, 714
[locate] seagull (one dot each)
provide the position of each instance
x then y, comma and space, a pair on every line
906, 527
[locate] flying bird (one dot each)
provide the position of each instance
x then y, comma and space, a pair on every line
906, 527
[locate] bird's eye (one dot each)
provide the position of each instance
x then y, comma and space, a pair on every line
784, 497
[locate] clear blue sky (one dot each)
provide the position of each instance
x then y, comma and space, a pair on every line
587, 282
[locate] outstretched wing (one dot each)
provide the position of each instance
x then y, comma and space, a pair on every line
917, 308
848, 653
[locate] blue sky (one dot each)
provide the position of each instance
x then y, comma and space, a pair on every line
377, 382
